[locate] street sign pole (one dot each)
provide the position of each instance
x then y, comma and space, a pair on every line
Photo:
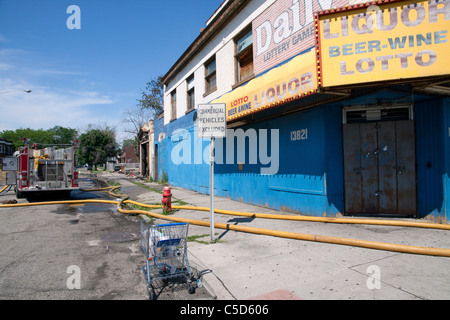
211, 187
211, 123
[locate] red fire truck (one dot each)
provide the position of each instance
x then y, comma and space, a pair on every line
48, 171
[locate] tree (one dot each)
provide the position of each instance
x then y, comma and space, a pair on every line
63, 135
137, 116
150, 105
153, 98
54, 136
128, 142
96, 145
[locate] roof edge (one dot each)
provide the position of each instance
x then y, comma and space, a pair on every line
229, 10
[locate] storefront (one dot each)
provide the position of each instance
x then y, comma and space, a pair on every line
373, 138
356, 124
397, 50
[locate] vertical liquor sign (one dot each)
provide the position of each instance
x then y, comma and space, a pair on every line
211, 123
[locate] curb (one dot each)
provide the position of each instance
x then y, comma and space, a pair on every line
211, 282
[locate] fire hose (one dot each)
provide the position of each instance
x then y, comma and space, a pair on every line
3, 189
275, 233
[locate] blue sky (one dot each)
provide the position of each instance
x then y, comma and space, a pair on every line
92, 75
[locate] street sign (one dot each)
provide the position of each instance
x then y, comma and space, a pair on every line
211, 120
211, 123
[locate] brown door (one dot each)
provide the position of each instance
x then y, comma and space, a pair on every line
379, 168
406, 168
352, 169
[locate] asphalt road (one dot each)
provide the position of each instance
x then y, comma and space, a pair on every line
76, 252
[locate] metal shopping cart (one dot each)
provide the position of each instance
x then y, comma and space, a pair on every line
165, 248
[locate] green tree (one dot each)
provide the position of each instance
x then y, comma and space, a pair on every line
152, 98
128, 142
63, 135
96, 145
54, 136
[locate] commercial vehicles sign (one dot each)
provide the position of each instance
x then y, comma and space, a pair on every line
211, 120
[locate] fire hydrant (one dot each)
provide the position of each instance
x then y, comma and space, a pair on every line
167, 199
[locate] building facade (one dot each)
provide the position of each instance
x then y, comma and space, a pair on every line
333, 107
6, 149
128, 155
146, 145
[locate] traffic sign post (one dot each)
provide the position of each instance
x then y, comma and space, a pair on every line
211, 188
211, 123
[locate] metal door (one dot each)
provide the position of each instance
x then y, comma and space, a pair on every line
406, 168
379, 168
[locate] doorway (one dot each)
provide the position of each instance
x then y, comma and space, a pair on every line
144, 159
379, 162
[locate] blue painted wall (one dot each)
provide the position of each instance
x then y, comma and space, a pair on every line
433, 157
309, 176
186, 175
446, 176
309, 179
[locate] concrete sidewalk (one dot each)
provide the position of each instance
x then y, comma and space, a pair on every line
246, 266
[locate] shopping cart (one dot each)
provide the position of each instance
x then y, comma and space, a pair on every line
165, 248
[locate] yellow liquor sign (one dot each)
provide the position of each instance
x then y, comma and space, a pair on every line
291, 81
383, 40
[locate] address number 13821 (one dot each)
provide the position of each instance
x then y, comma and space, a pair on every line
299, 135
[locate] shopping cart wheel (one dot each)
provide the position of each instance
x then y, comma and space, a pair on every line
191, 288
151, 293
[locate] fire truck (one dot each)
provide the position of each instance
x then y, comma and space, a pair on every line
44, 172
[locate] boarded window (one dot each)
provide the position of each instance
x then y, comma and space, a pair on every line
173, 104
210, 76
190, 93
244, 56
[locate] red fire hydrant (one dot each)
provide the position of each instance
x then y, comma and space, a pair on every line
167, 199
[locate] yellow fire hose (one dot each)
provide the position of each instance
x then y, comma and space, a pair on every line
305, 237
275, 233
307, 218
